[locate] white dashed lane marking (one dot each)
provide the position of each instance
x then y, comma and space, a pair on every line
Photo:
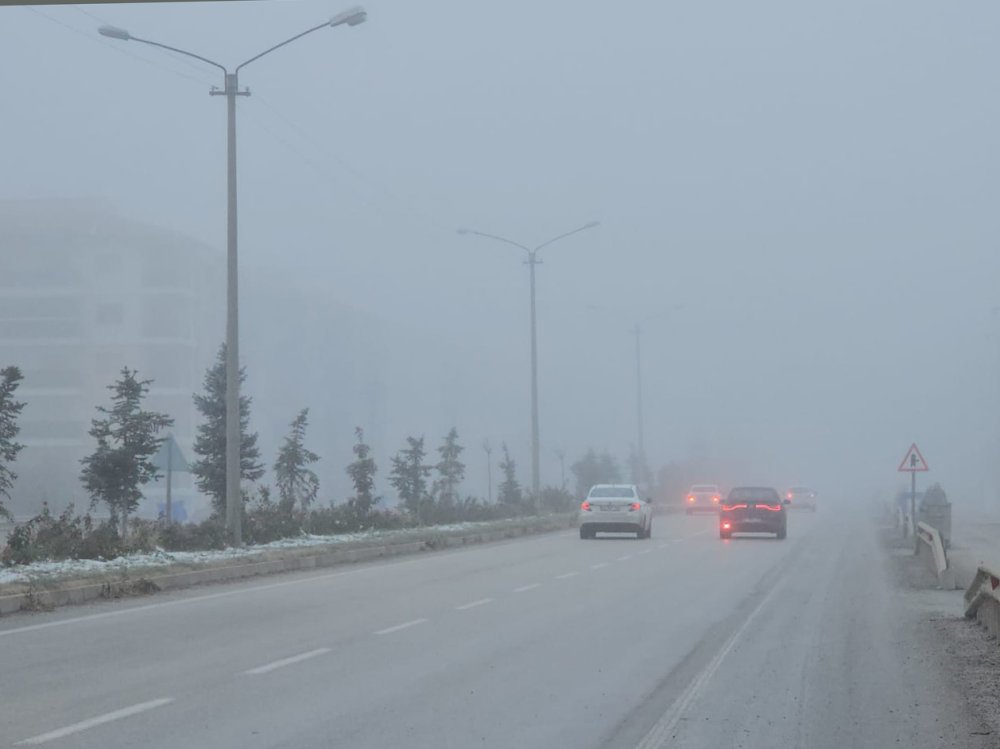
286, 661
474, 604
398, 627
525, 588
83, 725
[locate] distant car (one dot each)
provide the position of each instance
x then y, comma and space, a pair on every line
615, 508
801, 498
753, 509
702, 498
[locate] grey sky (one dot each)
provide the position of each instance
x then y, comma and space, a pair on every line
816, 183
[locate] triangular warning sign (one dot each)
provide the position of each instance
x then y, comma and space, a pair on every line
913, 462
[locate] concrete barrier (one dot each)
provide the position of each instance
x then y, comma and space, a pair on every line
931, 546
982, 602
134, 583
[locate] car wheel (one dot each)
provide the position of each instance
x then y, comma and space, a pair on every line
649, 530
782, 533
725, 535
689, 512
584, 533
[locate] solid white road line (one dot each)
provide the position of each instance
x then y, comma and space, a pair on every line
646, 551
286, 661
83, 725
524, 588
404, 625
624, 558
662, 732
474, 604
566, 575
600, 565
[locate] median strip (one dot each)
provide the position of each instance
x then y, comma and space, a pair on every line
286, 661
83, 725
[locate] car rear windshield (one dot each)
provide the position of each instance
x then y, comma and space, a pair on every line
612, 491
800, 490
705, 488
755, 494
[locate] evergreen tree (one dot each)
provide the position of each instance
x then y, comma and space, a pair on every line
126, 443
450, 469
362, 473
296, 482
509, 491
409, 476
10, 410
210, 444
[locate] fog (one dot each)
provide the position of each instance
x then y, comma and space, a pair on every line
814, 185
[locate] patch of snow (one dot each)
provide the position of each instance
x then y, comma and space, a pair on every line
44, 570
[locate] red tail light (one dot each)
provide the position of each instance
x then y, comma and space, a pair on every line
774, 508
730, 508
635, 506
691, 498
585, 506
715, 499
789, 495
726, 526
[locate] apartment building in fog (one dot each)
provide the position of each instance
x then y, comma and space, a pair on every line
85, 291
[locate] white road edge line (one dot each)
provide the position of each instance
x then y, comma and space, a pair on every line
662, 731
624, 558
404, 625
646, 551
524, 588
83, 725
599, 566
286, 661
474, 604
566, 575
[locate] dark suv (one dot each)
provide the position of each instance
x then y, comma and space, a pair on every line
753, 509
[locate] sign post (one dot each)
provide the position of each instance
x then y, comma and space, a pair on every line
913, 463
170, 459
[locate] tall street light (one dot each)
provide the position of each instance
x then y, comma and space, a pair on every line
640, 432
531, 262
352, 17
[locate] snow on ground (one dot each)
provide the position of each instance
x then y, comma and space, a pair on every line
42, 571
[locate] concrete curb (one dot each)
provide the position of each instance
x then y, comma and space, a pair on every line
121, 586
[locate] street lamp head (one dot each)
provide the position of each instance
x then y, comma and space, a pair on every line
351, 16
114, 32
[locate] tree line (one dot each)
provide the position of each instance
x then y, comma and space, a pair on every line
128, 436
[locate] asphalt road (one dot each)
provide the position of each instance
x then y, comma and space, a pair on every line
680, 641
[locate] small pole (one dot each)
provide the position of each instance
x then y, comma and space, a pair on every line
913, 505
488, 449
170, 470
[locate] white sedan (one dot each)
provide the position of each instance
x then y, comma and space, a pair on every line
615, 508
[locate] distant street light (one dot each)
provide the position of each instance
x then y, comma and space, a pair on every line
351, 17
637, 332
531, 262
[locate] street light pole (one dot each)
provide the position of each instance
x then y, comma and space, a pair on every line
233, 472
641, 450
531, 262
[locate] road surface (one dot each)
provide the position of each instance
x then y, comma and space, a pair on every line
681, 641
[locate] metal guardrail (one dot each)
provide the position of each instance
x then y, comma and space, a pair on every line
982, 602
932, 539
